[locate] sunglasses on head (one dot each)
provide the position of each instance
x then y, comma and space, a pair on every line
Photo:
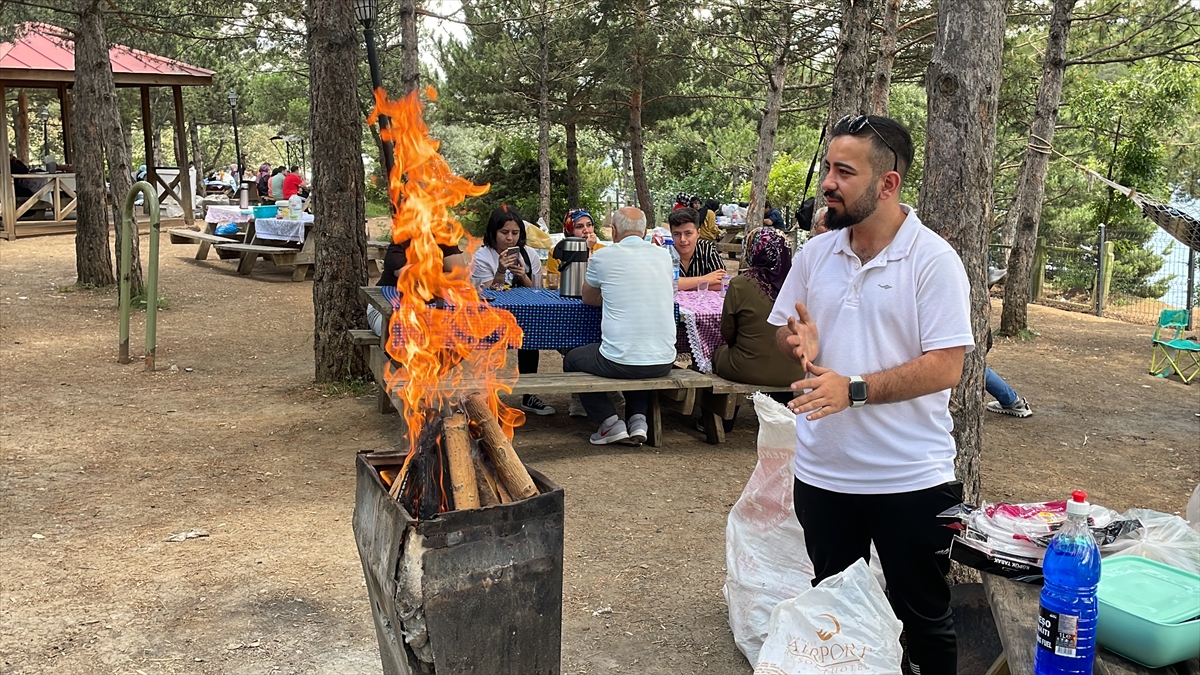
856, 124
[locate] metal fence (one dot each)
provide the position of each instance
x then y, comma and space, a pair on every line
1082, 272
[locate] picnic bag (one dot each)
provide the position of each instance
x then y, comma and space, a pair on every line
843, 625
765, 558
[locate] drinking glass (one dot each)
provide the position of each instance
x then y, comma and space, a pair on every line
552, 281
702, 288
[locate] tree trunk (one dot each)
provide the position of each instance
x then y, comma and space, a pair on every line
1026, 210
22, 124
93, 260
963, 87
544, 121
410, 67
885, 58
849, 95
197, 158
120, 173
572, 143
339, 225
637, 156
769, 125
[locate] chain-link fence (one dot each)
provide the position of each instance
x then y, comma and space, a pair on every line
1124, 275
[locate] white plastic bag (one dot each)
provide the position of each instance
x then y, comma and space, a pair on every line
1193, 509
1163, 537
765, 559
843, 625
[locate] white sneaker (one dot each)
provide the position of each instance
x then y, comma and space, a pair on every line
1019, 409
576, 407
639, 431
612, 431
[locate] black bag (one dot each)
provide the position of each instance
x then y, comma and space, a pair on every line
804, 214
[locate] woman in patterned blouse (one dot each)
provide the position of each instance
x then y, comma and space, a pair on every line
699, 259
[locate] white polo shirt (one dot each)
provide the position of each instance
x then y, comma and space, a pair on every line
637, 323
911, 298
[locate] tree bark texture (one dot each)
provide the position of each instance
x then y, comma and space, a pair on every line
849, 95
572, 149
93, 258
1026, 210
544, 120
339, 225
21, 121
637, 157
881, 85
410, 66
769, 125
963, 88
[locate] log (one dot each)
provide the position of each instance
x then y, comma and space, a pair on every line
487, 495
509, 468
458, 458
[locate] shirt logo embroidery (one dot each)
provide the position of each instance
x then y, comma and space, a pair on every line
885, 287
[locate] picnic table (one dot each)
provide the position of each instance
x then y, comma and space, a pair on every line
284, 242
1015, 608
728, 242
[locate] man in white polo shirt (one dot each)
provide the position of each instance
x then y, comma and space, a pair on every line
631, 282
878, 311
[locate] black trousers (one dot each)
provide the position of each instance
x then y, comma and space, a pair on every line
914, 550
527, 360
588, 359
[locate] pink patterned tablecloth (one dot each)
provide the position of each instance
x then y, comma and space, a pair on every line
699, 326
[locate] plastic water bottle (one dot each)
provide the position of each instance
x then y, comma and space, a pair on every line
675, 263
1066, 630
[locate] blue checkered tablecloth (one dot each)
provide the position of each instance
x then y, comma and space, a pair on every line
548, 320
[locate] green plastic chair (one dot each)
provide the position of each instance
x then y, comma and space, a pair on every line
1174, 353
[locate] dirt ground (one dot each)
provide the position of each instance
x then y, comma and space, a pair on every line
103, 462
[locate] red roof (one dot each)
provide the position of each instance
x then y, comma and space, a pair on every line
45, 54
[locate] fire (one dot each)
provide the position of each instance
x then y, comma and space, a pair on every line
446, 341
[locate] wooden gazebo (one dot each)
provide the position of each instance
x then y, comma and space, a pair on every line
43, 57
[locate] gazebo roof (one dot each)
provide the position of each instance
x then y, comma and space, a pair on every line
44, 56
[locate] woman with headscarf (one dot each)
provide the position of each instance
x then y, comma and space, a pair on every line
577, 223
749, 354
708, 218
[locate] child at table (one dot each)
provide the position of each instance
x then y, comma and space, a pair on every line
506, 261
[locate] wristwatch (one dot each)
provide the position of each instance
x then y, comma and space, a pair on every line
858, 392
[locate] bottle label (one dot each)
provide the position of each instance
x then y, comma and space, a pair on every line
1057, 633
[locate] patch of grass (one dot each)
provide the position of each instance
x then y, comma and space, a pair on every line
71, 288
378, 209
139, 302
351, 386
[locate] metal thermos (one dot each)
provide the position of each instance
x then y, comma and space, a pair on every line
572, 268
244, 195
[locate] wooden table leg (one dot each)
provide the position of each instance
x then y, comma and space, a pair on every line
299, 273
654, 432
202, 252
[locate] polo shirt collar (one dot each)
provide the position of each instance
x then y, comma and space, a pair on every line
900, 246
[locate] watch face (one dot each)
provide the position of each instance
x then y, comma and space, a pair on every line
858, 391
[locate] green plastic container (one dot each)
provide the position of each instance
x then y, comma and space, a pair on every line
1149, 612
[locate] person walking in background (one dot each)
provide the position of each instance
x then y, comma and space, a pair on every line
877, 311
631, 282
505, 261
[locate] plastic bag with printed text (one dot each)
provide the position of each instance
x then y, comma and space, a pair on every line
843, 625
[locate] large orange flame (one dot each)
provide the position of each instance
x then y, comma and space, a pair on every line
460, 345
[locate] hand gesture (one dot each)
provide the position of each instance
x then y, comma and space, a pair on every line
828, 393
591, 241
803, 337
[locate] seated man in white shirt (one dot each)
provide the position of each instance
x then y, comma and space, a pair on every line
631, 282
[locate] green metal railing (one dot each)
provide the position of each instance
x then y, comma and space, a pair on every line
151, 273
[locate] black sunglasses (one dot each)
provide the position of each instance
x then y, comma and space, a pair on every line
857, 124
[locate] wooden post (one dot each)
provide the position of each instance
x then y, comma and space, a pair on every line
181, 153
1108, 257
8, 192
22, 125
148, 141
66, 109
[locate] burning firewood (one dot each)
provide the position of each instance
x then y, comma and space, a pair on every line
458, 458
512, 474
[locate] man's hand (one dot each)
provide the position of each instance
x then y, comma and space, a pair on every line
828, 393
802, 336
714, 278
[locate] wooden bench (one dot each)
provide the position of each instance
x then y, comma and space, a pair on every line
721, 401
206, 240
280, 255
361, 337
678, 388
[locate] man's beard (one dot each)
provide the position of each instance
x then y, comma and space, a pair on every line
851, 214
